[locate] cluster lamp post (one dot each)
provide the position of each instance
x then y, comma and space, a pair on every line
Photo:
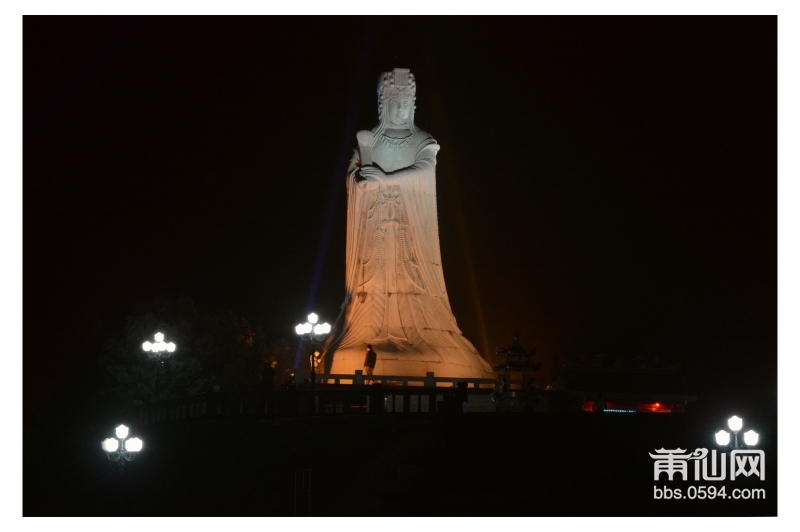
159, 351
735, 424
121, 448
313, 333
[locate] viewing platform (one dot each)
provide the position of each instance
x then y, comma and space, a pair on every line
359, 394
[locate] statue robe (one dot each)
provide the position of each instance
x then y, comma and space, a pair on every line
396, 296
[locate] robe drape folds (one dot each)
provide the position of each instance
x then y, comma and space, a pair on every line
396, 295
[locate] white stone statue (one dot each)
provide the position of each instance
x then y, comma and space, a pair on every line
396, 297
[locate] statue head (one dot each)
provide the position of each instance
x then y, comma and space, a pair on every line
396, 94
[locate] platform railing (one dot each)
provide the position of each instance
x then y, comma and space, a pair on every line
356, 393
360, 379
334, 393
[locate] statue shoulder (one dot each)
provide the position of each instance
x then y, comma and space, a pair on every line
425, 140
423, 135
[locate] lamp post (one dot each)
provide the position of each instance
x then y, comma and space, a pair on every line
516, 359
159, 351
735, 424
121, 449
313, 333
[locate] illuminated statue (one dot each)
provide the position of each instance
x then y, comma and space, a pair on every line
396, 297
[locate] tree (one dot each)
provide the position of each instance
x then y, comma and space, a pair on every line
224, 350
283, 356
130, 374
234, 351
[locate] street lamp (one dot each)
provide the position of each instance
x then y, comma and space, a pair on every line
735, 424
159, 350
723, 438
121, 448
313, 333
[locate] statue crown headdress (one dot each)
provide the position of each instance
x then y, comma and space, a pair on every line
398, 82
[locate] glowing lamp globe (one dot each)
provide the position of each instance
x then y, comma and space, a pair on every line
326, 328
312, 318
751, 437
723, 438
159, 337
121, 432
170, 347
319, 329
735, 424
147, 346
299, 329
133, 445
110, 445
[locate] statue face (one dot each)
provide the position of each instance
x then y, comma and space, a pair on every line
399, 109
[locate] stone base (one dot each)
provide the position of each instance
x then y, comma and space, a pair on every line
394, 360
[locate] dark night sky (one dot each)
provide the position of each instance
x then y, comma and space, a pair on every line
604, 184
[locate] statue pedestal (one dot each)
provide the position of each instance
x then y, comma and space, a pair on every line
446, 362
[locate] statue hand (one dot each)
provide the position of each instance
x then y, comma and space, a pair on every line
373, 174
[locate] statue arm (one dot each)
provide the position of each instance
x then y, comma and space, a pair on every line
426, 160
353, 172
355, 162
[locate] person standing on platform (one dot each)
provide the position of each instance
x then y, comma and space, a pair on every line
369, 362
